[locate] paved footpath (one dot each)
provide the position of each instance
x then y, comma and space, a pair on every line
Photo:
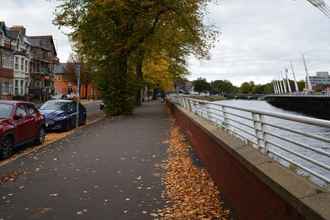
109, 170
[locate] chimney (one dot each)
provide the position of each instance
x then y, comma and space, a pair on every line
18, 28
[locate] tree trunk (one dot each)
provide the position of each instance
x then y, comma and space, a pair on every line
116, 95
139, 75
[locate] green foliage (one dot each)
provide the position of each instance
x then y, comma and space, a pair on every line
252, 88
247, 87
301, 85
263, 88
223, 87
201, 85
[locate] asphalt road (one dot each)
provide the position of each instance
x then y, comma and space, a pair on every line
110, 170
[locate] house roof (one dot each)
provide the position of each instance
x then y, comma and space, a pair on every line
45, 42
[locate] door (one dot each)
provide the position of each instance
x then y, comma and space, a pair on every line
32, 117
22, 129
72, 111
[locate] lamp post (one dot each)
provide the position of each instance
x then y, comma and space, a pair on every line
77, 70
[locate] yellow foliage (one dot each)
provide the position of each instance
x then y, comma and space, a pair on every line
157, 72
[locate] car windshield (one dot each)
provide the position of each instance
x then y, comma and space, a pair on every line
53, 105
5, 110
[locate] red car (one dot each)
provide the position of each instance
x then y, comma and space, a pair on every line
20, 123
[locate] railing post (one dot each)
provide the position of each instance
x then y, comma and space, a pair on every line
259, 129
209, 115
184, 103
189, 105
225, 117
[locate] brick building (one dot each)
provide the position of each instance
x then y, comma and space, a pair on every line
65, 84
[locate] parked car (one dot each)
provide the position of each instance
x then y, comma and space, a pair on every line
61, 114
20, 123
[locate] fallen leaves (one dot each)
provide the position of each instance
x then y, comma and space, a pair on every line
9, 177
190, 191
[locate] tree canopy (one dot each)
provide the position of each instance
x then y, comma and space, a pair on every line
201, 85
222, 87
119, 39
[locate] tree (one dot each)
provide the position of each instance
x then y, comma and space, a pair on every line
301, 85
263, 89
222, 86
115, 37
201, 85
247, 87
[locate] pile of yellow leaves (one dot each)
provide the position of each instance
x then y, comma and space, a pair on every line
190, 190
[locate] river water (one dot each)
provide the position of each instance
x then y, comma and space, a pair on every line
264, 106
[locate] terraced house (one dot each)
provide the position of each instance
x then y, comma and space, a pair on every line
26, 63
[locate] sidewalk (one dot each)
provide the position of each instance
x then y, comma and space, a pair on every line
110, 170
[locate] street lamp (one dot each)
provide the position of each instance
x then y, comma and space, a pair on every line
77, 70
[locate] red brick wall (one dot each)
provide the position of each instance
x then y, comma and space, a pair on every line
6, 73
61, 86
250, 198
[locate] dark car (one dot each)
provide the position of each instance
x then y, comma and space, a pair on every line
61, 114
20, 123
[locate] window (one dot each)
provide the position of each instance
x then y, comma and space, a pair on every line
54, 105
22, 64
26, 66
16, 63
20, 111
5, 87
72, 107
31, 110
21, 88
16, 87
5, 110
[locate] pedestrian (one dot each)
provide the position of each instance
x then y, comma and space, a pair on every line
162, 96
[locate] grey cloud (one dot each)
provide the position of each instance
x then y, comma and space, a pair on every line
260, 37
36, 16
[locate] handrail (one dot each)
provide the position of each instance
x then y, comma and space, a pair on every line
295, 118
258, 132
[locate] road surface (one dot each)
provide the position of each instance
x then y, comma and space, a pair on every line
109, 170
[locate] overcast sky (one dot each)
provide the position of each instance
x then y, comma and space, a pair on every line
258, 37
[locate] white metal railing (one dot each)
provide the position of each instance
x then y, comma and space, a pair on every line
279, 135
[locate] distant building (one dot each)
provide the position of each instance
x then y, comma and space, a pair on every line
43, 61
15, 58
321, 79
26, 63
6, 63
183, 86
65, 85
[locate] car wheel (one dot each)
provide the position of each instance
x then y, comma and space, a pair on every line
7, 147
40, 139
